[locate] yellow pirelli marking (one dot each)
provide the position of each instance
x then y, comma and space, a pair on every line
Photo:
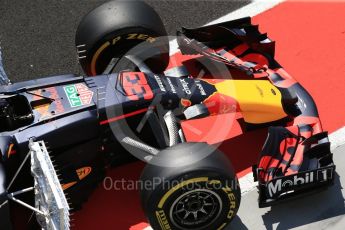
162, 220
184, 183
232, 202
95, 57
222, 226
214, 182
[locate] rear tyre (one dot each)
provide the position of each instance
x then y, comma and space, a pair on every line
201, 195
112, 29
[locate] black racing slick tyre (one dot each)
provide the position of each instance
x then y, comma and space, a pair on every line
189, 192
109, 31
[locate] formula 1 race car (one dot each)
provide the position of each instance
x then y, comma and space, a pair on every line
60, 133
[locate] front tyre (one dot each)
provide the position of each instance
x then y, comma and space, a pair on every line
109, 31
201, 195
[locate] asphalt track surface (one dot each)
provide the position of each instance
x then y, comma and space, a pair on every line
37, 38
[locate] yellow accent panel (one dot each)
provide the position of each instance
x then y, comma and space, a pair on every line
259, 100
184, 183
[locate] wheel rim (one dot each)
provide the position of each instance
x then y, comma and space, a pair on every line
195, 209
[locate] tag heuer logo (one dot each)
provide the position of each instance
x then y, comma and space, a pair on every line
78, 95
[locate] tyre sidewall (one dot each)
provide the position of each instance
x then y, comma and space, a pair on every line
111, 29
215, 181
115, 45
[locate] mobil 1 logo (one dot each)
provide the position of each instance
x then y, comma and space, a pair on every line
278, 186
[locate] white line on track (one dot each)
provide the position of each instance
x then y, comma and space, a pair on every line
147, 228
337, 138
254, 8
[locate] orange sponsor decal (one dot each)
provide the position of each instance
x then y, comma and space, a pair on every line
10, 151
82, 173
68, 185
186, 102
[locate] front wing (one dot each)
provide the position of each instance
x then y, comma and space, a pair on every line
281, 177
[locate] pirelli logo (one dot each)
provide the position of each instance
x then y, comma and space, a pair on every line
162, 219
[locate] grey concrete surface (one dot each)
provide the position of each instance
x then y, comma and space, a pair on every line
324, 210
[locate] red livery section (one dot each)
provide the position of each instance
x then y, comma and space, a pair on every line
310, 43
